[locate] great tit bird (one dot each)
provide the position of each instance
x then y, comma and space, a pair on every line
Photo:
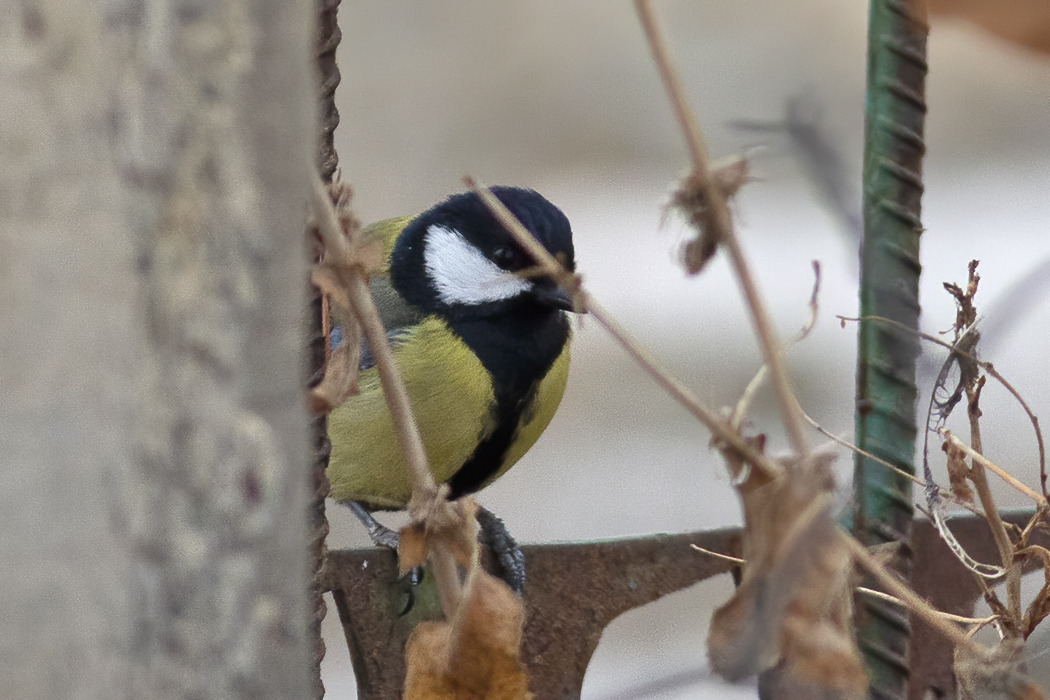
483, 349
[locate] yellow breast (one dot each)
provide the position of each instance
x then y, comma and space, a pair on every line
452, 400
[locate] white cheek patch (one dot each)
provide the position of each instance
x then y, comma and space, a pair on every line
462, 274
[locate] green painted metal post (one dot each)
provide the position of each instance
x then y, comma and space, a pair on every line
886, 392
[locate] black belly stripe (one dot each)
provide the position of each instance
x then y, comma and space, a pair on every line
517, 350
488, 456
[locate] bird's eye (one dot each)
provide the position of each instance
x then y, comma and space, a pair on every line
506, 257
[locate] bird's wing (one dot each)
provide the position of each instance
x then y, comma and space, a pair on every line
452, 400
394, 337
395, 314
393, 311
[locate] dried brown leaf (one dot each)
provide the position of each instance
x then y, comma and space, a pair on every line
1037, 611
341, 368
794, 602
366, 253
691, 199
994, 674
477, 655
958, 472
340, 379
965, 312
739, 469
436, 522
411, 547
331, 274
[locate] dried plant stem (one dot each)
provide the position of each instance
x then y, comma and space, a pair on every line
770, 348
991, 511
1040, 501
686, 119
736, 418
335, 242
393, 388
721, 428
1032, 418
979, 621
987, 367
739, 412
717, 555
850, 446
336, 245
722, 221
908, 597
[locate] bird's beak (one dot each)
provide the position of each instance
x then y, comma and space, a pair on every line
550, 294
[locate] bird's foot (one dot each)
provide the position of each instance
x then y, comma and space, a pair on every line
495, 537
380, 534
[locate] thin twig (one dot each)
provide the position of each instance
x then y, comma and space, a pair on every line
393, 385
393, 388
991, 511
722, 221
335, 242
736, 418
980, 621
900, 326
1032, 418
694, 138
1040, 501
1037, 519
722, 430
864, 453
987, 367
724, 557
908, 597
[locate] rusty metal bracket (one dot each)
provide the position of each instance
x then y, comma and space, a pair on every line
575, 590
941, 579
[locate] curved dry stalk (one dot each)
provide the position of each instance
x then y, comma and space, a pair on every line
1039, 499
722, 222
979, 621
1032, 418
583, 301
718, 555
736, 418
908, 598
363, 307
988, 571
850, 446
987, 367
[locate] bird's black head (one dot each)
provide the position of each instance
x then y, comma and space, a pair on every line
458, 261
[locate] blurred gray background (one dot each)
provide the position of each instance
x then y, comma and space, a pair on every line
562, 96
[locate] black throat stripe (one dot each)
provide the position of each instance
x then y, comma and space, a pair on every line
517, 350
